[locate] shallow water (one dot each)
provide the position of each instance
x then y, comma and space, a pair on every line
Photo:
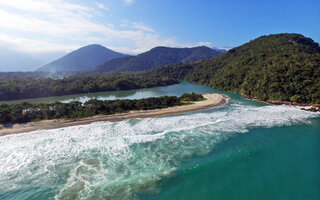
243, 150
172, 90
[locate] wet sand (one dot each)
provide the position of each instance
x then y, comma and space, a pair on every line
212, 100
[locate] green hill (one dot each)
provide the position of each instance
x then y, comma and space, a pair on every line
282, 67
156, 57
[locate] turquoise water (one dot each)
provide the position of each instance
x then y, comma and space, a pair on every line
172, 90
243, 150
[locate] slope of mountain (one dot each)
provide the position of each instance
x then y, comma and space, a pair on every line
156, 57
282, 67
82, 59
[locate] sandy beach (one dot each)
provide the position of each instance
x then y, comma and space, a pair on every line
212, 100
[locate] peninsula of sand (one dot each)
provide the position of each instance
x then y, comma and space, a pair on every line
211, 100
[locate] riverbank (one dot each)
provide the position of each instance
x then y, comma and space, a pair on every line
212, 100
313, 107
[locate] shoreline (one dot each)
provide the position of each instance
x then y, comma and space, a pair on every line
212, 100
313, 107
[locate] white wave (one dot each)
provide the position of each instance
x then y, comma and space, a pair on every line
104, 159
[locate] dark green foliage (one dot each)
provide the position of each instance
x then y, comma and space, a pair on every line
176, 71
26, 112
276, 67
191, 97
26, 86
157, 57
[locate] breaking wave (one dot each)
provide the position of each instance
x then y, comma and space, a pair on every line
106, 160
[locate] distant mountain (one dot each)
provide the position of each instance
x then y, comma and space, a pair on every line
156, 57
82, 59
220, 50
283, 67
12, 60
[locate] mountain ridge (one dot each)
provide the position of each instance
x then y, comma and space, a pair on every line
156, 57
81, 59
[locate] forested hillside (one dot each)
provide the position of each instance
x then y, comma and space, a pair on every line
156, 57
276, 67
23, 86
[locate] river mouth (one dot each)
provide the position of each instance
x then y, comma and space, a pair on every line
122, 160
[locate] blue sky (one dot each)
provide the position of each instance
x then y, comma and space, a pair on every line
55, 27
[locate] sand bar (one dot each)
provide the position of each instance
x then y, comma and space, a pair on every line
212, 100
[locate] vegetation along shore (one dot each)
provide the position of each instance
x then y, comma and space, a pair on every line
50, 116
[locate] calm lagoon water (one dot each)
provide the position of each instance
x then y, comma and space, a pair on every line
243, 150
172, 90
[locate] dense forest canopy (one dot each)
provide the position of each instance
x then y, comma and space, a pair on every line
26, 112
275, 67
29, 85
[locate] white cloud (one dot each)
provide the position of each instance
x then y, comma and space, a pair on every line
208, 44
56, 25
56, 7
101, 6
142, 27
34, 46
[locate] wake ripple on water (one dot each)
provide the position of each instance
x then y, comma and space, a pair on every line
107, 160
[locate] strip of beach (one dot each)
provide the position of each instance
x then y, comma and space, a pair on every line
211, 100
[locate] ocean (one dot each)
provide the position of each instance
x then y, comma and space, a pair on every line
243, 150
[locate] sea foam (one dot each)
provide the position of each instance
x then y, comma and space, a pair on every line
106, 160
